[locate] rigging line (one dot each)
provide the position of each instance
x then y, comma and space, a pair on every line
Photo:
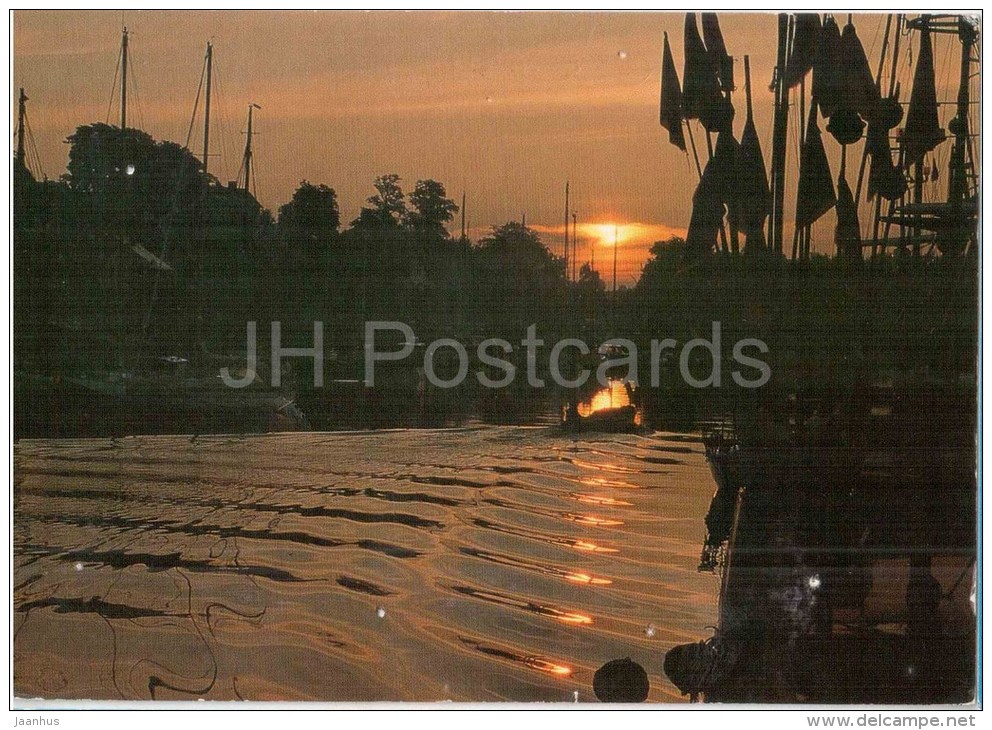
139, 107
113, 87
219, 89
227, 152
196, 104
939, 156
29, 159
878, 31
33, 147
254, 172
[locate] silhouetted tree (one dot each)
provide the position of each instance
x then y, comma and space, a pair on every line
129, 178
518, 271
589, 278
312, 214
386, 209
431, 208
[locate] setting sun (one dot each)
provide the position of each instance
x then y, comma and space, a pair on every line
604, 233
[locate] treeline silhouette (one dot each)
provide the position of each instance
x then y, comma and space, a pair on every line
136, 253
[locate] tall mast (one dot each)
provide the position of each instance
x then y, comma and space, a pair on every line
878, 85
957, 185
592, 254
463, 215
779, 135
616, 243
206, 109
575, 244
124, 79
247, 157
20, 127
566, 230
876, 221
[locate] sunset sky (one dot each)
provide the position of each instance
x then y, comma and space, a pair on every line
503, 106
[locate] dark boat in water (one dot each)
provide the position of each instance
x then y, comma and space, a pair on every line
847, 565
170, 401
844, 522
607, 420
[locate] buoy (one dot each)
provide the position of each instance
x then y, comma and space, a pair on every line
621, 680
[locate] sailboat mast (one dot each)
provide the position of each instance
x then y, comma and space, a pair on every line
20, 127
878, 85
575, 245
566, 230
124, 79
616, 242
779, 132
957, 185
247, 157
592, 254
463, 215
876, 218
206, 109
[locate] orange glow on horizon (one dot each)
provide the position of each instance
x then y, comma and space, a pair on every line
604, 233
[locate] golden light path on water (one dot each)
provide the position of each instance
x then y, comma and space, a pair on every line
481, 563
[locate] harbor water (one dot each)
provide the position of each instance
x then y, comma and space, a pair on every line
483, 563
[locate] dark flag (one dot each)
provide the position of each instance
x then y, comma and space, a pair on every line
815, 195
717, 50
922, 132
805, 42
701, 97
848, 233
828, 69
671, 99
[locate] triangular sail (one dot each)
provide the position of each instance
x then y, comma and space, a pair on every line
859, 91
816, 189
753, 196
707, 211
848, 233
671, 99
724, 163
828, 69
805, 42
715, 195
922, 132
